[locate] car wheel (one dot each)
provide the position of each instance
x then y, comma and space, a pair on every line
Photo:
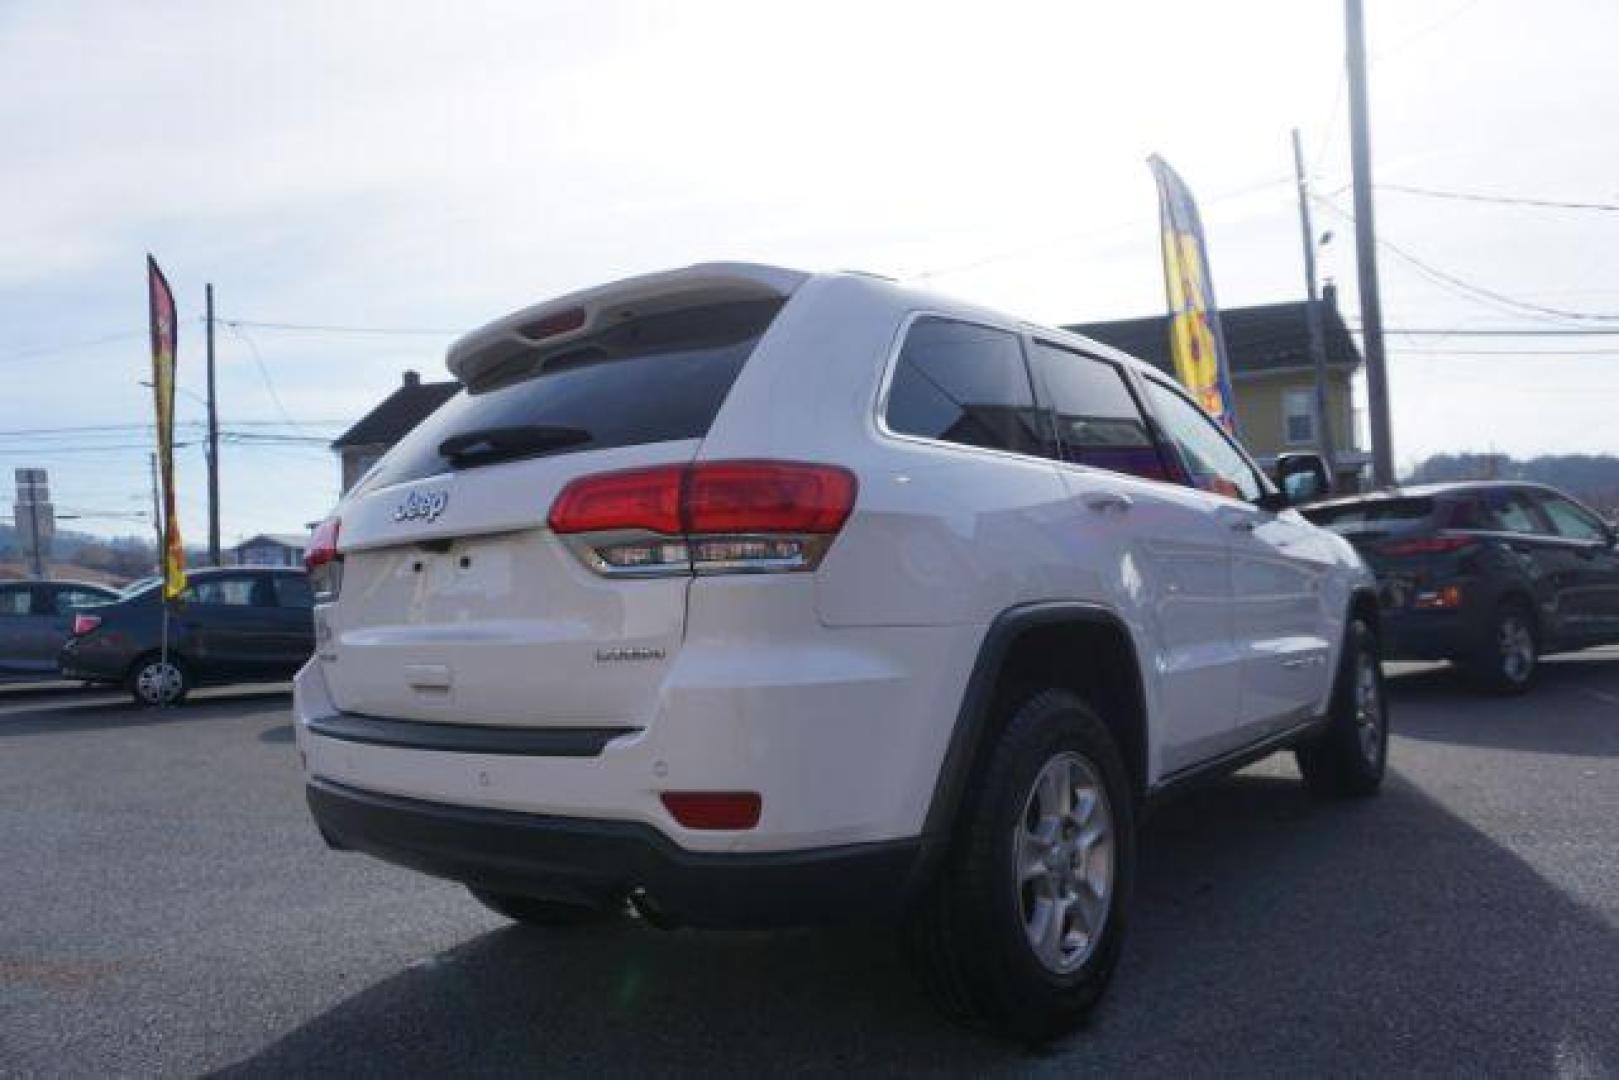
533, 911
1349, 757
1510, 656
154, 681
1021, 931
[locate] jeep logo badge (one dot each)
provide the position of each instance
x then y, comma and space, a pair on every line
422, 506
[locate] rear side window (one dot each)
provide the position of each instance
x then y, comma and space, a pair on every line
16, 600
68, 601
1390, 512
230, 592
293, 591
1511, 512
963, 383
656, 378
1098, 421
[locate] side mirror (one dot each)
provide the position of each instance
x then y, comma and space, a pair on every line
1303, 478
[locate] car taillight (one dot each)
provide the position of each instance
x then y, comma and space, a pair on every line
705, 518
322, 561
83, 624
1427, 545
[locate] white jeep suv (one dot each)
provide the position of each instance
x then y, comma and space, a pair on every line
754, 597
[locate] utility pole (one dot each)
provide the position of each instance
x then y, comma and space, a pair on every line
157, 512
213, 444
1312, 316
1371, 307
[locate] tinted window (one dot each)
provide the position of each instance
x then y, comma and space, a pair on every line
1211, 461
15, 600
69, 600
230, 592
293, 591
1404, 511
964, 384
1510, 511
1569, 520
652, 379
1098, 421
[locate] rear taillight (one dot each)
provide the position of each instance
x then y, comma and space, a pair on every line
706, 518
322, 561
83, 624
1427, 545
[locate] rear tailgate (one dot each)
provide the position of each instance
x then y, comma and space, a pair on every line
457, 603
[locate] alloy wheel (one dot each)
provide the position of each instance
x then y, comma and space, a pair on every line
1369, 718
1063, 847
159, 683
1517, 648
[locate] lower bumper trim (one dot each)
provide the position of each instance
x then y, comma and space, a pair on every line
601, 862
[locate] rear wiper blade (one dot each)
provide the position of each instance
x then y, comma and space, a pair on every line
501, 443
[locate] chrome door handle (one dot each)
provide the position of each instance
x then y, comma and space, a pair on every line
1107, 500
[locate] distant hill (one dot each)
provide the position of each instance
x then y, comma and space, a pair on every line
1591, 478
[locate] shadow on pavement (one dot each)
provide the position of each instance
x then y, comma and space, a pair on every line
1573, 708
1272, 934
100, 713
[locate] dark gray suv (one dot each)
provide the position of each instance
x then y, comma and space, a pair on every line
1488, 575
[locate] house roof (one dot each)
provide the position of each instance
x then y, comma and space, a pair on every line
1269, 337
410, 403
291, 540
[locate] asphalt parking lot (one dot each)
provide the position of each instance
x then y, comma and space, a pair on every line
166, 908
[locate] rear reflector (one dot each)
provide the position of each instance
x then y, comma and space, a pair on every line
714, 809
83, 624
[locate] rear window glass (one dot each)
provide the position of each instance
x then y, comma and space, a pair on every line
653, 379
963, 383
1373, 511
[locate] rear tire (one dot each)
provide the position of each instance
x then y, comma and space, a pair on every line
1021, 932
1509, 658
1348, 758
532, 911
155, 682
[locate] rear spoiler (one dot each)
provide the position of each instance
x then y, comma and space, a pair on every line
580, 314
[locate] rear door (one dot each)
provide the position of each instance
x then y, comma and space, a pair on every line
457, 602
231, 624
1548, 564
1593, 572
1166, 558
1280, 627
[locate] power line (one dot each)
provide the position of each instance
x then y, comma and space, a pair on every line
1475, 292
326, 328
69, 346
1063, 238
1474, 331
1505, 200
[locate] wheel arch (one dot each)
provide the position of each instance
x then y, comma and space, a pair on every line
1037, 645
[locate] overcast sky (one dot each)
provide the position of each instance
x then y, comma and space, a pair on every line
418, 166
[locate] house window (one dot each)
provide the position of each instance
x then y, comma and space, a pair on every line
1298, 417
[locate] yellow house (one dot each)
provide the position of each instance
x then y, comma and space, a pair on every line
1272, 376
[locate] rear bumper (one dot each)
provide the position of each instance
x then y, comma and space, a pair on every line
603, 861
1408, 634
